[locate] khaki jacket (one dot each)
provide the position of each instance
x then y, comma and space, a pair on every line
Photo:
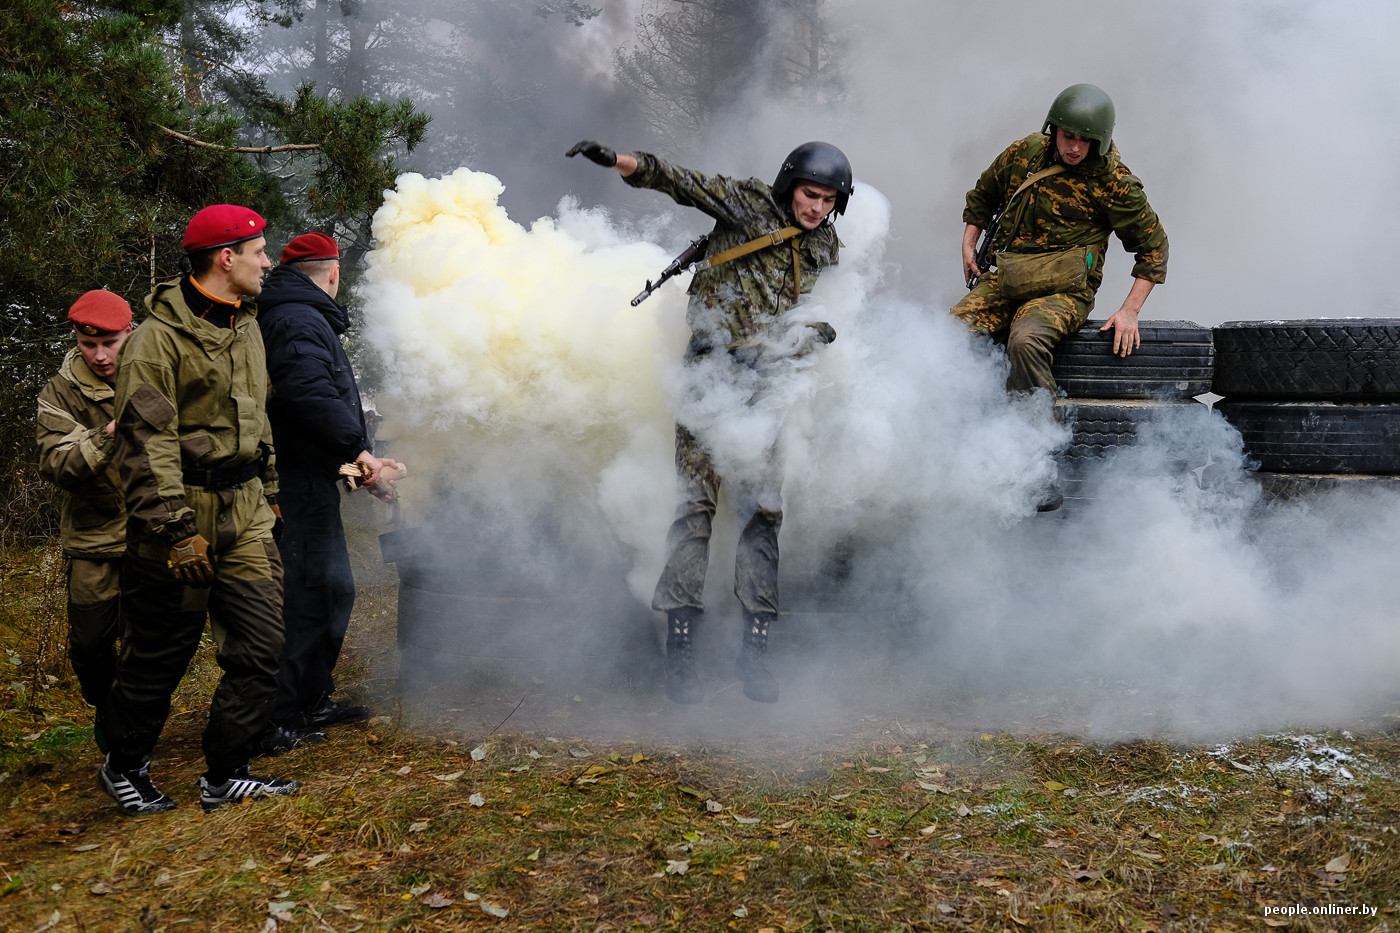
77, 454
191, 395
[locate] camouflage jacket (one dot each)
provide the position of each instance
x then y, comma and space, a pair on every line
745, 296
191, 395
77, 454
1078, 207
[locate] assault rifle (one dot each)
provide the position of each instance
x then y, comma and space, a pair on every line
983, 256
689, 256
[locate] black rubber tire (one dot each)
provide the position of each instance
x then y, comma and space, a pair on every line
1099, 426
1356, 360
1318, 437
1282, 487
1176, 360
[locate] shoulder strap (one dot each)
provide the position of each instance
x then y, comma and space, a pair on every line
1055, 169
758, 243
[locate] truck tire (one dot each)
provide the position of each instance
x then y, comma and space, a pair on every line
1176, 360
1284, 487
1101, 426
1318, 437
1356, 360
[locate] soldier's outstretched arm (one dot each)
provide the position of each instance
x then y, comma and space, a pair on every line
604, 156
1125, 320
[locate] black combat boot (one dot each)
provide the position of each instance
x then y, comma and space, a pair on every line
1051, 497
759, 684
682, 683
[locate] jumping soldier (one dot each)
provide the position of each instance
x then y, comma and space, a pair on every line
198, 471
768, 246
78, 445
1062, 191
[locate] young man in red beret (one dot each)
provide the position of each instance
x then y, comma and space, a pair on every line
318, 424
197, 467
78, 452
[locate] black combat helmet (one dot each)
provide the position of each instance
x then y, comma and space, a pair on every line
820, 162
1084, 110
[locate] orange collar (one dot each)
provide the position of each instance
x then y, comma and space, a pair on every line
215, 298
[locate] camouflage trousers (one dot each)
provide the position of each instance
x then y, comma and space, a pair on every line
164, 621
1029, 329
94, 609
759, 504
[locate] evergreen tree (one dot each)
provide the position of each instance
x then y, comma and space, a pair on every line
111, 139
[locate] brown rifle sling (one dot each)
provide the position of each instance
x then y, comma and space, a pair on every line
789, 234
1055, 169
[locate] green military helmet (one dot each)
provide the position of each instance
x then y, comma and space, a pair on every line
1084, 110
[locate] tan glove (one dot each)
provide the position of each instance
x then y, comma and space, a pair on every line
189, 561
277, 522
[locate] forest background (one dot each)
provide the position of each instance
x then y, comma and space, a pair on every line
119, 120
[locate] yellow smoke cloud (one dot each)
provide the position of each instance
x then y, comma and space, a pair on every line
490, 330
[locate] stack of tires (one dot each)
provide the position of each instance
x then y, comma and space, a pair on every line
1316, 401
1110, 398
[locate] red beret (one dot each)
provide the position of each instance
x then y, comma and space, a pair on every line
222, 225
310, 247
99, 312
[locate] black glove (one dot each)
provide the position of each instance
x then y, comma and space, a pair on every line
595, 152
825, 332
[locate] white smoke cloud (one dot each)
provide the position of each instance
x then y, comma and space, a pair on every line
519, 371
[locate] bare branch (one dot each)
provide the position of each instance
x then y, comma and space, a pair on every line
253, 149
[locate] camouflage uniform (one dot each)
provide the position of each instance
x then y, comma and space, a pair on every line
77, 454
197, 457
1079, 207
729, 304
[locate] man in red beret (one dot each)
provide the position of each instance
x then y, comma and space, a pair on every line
318, 424
78, 452
200, 485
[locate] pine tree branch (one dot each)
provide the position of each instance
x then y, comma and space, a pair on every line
253, 149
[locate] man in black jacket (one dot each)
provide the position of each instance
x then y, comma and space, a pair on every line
317, 425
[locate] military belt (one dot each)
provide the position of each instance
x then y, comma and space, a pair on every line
222, 479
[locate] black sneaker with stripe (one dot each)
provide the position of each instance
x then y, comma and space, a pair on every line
241, 786
133, 790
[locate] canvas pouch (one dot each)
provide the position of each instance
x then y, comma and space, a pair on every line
1023, 276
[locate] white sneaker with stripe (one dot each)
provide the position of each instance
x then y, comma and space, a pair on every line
242, 786
133, 791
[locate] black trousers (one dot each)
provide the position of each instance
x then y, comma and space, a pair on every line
163, 621
94, 622
318, 592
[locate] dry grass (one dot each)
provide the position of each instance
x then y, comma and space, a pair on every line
882, 829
